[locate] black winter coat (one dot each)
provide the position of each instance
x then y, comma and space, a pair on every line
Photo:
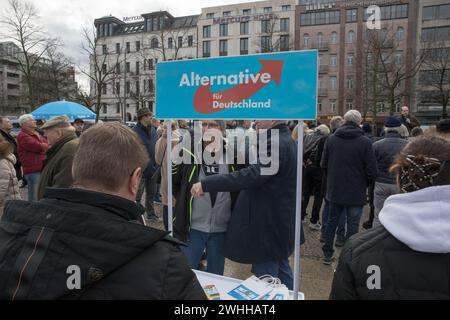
184, 176
149, 137
385, 152
350, 165
405, 273
42, 243
262, 225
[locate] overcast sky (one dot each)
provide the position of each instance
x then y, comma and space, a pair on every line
66, 18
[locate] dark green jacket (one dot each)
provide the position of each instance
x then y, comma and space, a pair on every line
57, 168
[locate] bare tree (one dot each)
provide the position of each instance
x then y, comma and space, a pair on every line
436, 73
59, 67
21, 23
273, 38
389, 66
102, 66
85, 98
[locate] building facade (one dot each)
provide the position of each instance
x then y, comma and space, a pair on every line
373, 70
433, 41
129, 53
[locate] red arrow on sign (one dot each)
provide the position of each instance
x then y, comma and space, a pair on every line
204, 97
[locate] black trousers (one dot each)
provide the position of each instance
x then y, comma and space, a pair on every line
312, 186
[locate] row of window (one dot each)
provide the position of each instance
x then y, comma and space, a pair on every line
436, 12
267, 26
381, 106
320, 38
148, 88
436, 34
118, 111
247, 12
181, 42
267, 44
334, 16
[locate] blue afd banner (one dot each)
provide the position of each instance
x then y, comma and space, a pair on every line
265, 86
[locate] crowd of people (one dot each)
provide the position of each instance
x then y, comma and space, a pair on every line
85, 189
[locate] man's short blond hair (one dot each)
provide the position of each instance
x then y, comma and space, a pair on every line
107, 156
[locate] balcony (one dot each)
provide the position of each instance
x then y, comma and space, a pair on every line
223, 53
323, 69
320, 45
323, 92
244, 52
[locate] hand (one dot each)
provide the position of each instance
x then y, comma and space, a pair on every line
197, 190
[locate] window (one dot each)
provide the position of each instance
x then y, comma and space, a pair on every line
105, 88
320, 39
265, 44
428, 13
352, 15
117, 107
154, 43
180, 42
227, 13
170, 43
104, 49
151, 86
206, 31
400, 34
244, 28
333, 60
105, 108
223, 30
127, 67
138, 46
118, 48
150, 64
286, 8
206, 49
333, 106
247, 12
265, 26
351, 37
284, 43
223, 47
128, 87
333, 38
138, 88
306, 40
349, 105
137, 67
319, 106
284, 24
209, 15
118, 88
128, 47
318, 18
333, 82
349, 83
190, 41
244, 45
350, 60
267, 10
444, 11
399, 58
104, 68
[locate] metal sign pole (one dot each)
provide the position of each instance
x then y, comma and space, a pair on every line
298, 210
168, 124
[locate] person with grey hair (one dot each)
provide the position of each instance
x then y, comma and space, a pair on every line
57, 168
350, 162
385, 152
31, 147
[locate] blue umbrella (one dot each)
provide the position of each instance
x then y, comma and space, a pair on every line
63, 108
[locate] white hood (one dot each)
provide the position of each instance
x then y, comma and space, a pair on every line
420, 219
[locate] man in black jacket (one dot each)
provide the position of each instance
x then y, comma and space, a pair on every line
90, 242
261, 231
5, 131
351, 167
